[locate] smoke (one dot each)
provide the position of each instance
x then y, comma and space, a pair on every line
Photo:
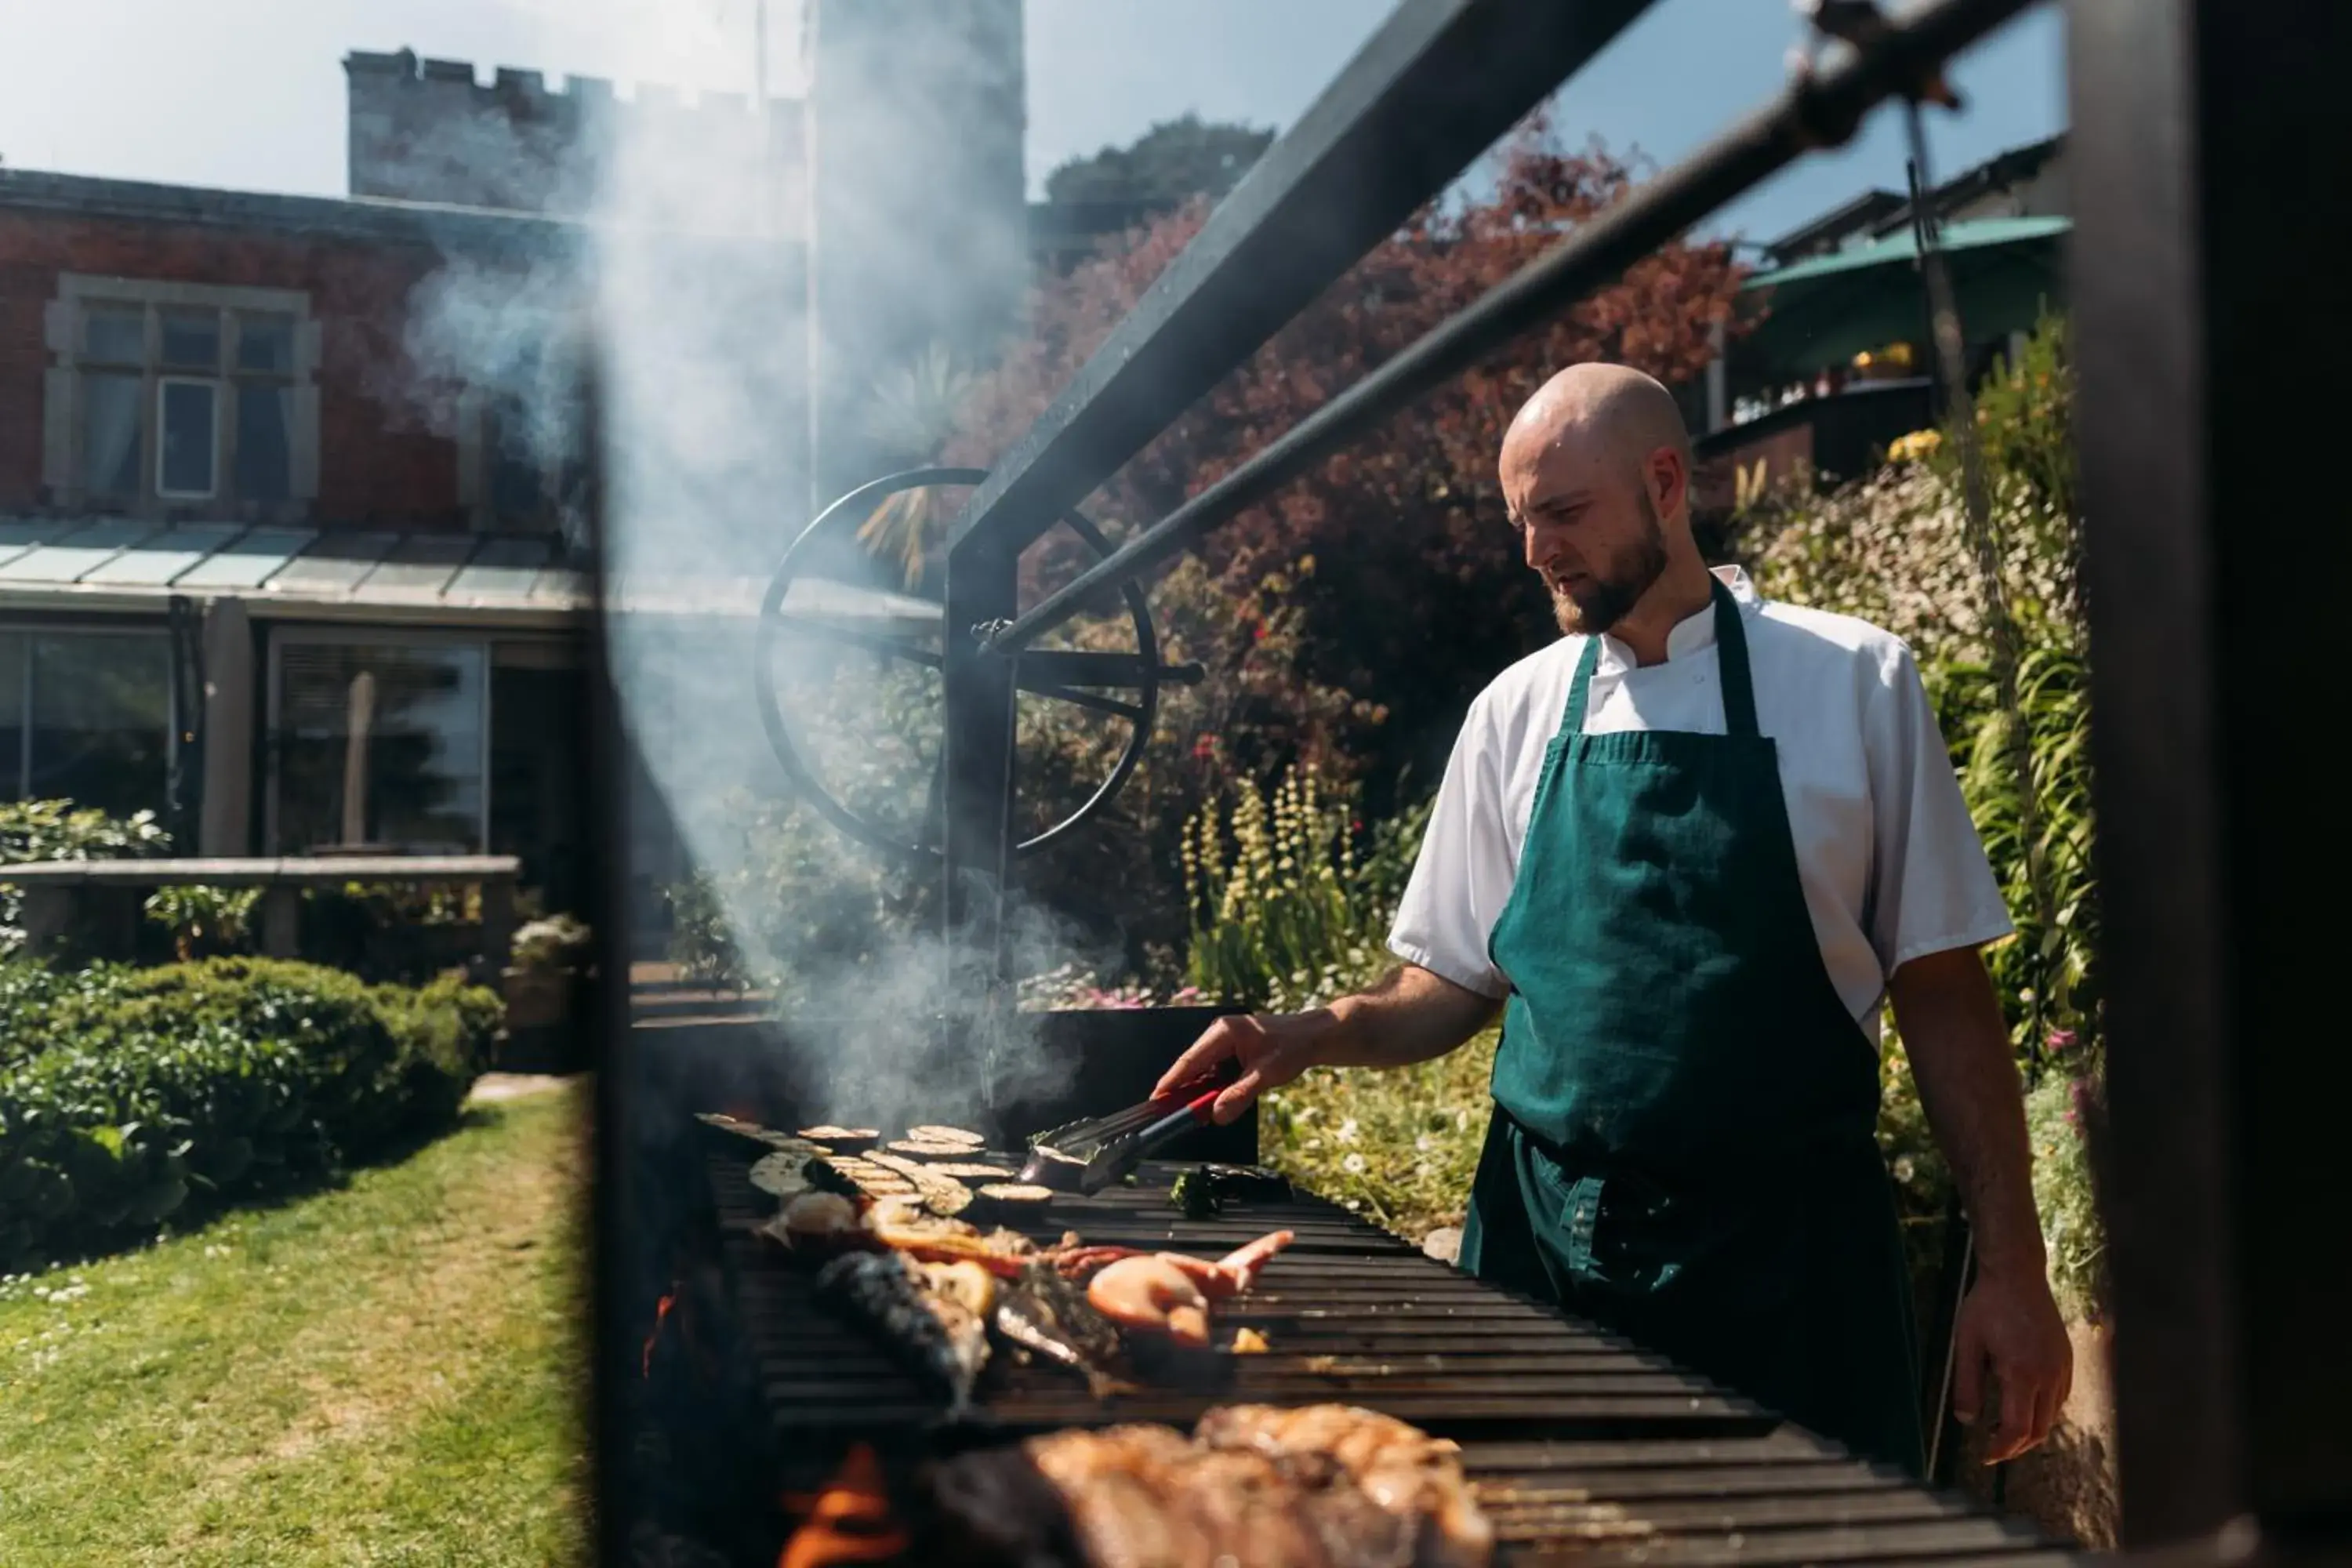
734, 366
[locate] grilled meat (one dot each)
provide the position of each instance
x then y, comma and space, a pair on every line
1414, 1476
1143, 1496
1152, 1295
904, 1225
1045, 1313
819, 1222
928, 1324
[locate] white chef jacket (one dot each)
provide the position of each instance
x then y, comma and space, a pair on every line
1891, 865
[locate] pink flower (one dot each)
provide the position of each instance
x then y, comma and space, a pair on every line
2061, 1040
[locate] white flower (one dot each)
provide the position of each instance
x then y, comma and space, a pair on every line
1353, 1165
1347, 1134
1423, 1144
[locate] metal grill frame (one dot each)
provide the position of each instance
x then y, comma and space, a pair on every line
1433, 89
1580, 1445
2207, 382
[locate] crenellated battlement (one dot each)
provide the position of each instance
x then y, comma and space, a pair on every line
432, 131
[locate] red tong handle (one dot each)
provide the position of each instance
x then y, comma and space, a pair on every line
1195, 1113
1219, 1078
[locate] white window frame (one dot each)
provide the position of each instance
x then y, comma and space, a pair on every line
63, 414
216, 386
361, 635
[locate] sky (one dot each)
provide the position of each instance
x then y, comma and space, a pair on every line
248, 94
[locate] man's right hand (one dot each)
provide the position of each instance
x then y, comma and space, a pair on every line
1272, 1049
1411, 1015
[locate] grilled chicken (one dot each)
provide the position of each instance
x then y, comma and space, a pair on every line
1401, 1468
1144, 1497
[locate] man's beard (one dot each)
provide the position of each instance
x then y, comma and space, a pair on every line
1608, 597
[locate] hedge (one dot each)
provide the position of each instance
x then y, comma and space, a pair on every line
131, 1096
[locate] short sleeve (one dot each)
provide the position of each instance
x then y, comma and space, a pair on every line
1462, 876
1932, 888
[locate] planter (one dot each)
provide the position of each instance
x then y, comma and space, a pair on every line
546, 1026
2066, 1486
538, 998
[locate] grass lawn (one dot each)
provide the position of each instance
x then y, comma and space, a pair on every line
390, 1373
1398, 1147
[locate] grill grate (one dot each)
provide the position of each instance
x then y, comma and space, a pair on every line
1581, 1446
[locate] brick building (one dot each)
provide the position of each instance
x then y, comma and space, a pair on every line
286, 481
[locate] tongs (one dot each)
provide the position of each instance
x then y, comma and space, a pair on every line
1089, 1155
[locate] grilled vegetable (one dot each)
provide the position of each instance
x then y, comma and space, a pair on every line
1014, 1200
751, 1130
960, 1172
789, 1172
873, 1181
843, 1140
1249, 1184
929, 1148
1204, 1192
1195, 1193
943, 1196
932, 1133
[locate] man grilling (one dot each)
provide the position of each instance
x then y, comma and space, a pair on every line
1687, 850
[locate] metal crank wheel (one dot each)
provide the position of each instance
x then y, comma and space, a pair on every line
1081, 678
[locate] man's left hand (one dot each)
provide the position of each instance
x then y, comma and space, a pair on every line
2011, 1340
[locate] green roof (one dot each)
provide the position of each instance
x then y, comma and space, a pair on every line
1975, 234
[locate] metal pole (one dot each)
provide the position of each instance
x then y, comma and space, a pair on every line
1814, 112
1429, 90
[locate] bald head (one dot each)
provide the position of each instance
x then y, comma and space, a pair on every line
1596, 472
1612, 406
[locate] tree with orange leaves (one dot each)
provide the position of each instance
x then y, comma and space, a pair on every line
1387, 580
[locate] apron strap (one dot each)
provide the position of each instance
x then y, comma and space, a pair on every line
1574, 724
1731, 658
1731, 661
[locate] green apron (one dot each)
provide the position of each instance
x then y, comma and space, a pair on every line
1682, 1149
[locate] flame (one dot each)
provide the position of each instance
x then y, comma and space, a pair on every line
661, 1315
847, 1520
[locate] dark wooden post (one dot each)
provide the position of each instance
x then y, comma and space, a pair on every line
2211, 140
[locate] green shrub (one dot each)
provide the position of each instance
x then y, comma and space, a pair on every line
215, 920
34, 830
2055, 1113
1894, 549
128, 1096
